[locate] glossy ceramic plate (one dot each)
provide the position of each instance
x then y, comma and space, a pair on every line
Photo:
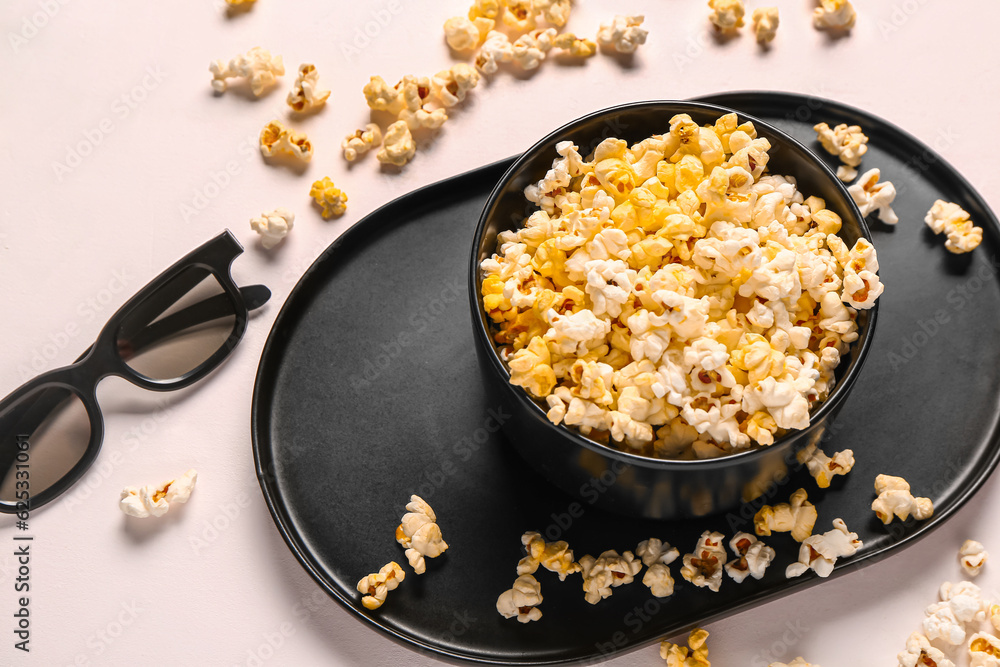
369, 390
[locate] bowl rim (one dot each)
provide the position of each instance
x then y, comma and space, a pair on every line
481, 327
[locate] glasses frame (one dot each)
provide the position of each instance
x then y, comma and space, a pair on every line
103, 358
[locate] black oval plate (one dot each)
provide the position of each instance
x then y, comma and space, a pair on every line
368, 391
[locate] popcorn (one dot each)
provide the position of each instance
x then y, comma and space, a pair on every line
361, 141
451, 85
654, 551
972, 556
834, 15
398, 147
954, 221
375, 587
695, 655
871, 196
530, 49
940, 623
690, 304
965, 600
555, 12
994, 613
765, 24
920, 653
607, 571
578, 47
273, 226
820, 552
276, 139
984, 650
752, 557
822, 467
496, 49
798, 516
156, 500
330, 198
240, 4
520, 15
847, 142
703, 568
895, 500
522, 600
622, 34
383, 97
420, 534
306, 94
257, 66
462, 34
553, 556
798, 662
658, 580
726, 14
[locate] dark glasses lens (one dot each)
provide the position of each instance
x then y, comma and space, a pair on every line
42, 436
178, 327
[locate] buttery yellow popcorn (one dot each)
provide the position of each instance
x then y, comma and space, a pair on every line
797, 516
824, 468
577, 47
895, 500
727, 14
330, 198
694, 655
398, 146
360, 142
419, 534
834, 15
519, 15
380, 96
488, 9
306, 93
691, 303
375, 587
553, 556
955, 222
765, 24
276, 139
984, 650
463, 34
799, 662
555, 12
848, 142
240, 4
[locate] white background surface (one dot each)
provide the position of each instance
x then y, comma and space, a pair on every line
74, 245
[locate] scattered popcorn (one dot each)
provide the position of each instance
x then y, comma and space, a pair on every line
871, 196
984, 650
530, 49
465, 35
674, 299
520, 15
553, 556
330, 198
954, 221
622, 34
273, 226
895, 500
380, 96
495, 50
240, 4
375, 587
522, 600
848, 143
798, 662
607, 571
995, 616
940, 623
765, 24
156, 500
703, 568
276, 139
578, 47
965, 600
726, 14
972, 556
361, 141
451, 85
420, 534
653, 551
257, 66
920, 653
695, 655
752, 557
820, 552
658, 580
306, 93
834, 15
555, 12
398, 146
798, 516
822, 467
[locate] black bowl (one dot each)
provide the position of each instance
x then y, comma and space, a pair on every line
595, 473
